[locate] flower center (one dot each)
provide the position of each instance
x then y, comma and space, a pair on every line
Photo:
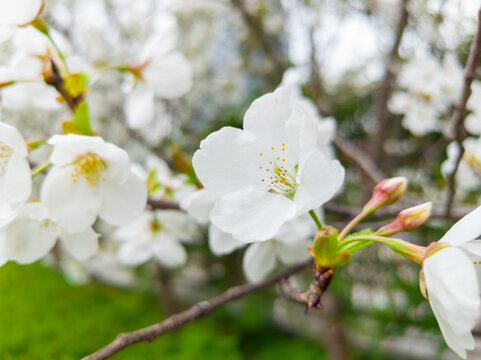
5, 154
90, 166
277, 173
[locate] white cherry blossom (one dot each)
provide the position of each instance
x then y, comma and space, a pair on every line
288, 247
19, 12
91, 177
452, 282
429, 88
268, 173
156, 235
31, 236
15, 174
165, 73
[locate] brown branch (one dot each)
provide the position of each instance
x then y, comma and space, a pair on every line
360, 159
456, 122
266, 42
196, 311
292, 293
385, 89
163, 205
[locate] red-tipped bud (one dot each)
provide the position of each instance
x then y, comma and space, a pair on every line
407, 220
387, 192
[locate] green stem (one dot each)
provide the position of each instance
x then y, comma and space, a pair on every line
316, 219
38, 169
60, 54
410, 251
353, 223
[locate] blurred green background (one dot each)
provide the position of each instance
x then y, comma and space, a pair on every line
45, 317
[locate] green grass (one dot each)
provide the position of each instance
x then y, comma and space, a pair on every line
44, 317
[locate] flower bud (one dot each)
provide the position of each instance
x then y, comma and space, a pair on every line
325, 249
386, 192
407, 220
325, 245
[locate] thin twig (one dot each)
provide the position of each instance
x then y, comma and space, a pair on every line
292, 293
385, 89
360, 159
163, 205
196, 311
266, 41
456, 122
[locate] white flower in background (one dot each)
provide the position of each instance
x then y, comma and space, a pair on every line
468, 175
452, 282
156, 235
429, 88
31, 236
91, 177
164, 73
15, 174
268, 173
473, 120
288, 247
163, 183
19, 12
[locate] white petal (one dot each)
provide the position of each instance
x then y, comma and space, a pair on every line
199, 204
169, 252
454, 296
164, 39
10, 136
67, 148
259, 260
302, 227
466, 229
72, 205
320, 179
252, 215
17, 184
139, 108
178, 224
293, 252
226, 161
268, 115
82, 245
473, 250
123, 203
170, 76
134, 253
29, 238
222, 243
139, 229
19, 12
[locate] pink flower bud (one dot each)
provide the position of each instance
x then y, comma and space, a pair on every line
407, 220
387, 192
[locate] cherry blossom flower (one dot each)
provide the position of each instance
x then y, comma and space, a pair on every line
288, 247
452, 282
91, 177
164, 73
15, 175
156, 235
31, 236
429, 88
19, 12
268, 173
